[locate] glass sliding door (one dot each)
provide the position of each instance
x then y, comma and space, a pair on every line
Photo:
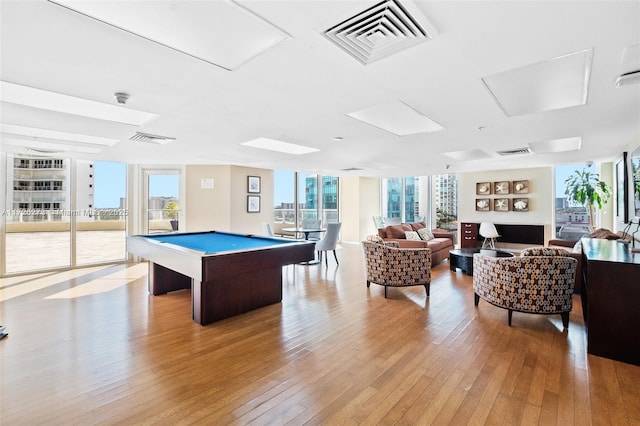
308, 207
330, 198
101, 202
572, 221
162, 189
39, 211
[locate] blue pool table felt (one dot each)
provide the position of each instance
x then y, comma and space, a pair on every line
215, 242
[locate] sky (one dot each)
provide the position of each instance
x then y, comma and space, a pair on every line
110, 183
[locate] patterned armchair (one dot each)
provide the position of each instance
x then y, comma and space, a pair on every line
389, 265
539, 281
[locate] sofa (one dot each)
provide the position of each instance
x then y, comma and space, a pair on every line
440, 244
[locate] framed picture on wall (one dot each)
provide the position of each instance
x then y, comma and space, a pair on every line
483, 188
501, 204
520, 186
483, 204
253, 204
253, 184
520, 204
501, 188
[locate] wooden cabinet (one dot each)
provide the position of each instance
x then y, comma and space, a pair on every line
469, 235
610, 297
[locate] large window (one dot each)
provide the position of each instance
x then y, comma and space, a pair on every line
572, 221
101, 203
414, 198
317, 197
62, 213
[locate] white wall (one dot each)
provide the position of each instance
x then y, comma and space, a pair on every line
224, 208
359, 202
541, 198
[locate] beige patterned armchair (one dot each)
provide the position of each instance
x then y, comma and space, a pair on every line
539, 281
389, 265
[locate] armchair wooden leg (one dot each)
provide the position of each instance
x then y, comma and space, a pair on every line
368, 283
510, 315
426, 287
565, 319
385, 291
476, 299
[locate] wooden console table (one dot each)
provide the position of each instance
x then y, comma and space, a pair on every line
610, 297
509, 233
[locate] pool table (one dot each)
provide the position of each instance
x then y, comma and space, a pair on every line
228, 273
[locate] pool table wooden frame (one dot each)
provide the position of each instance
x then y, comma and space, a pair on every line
222, 284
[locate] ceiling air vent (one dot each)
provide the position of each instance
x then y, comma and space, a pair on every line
149, 138
382, 30
518, 151
352, 169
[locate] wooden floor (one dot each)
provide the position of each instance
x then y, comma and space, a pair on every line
91, 346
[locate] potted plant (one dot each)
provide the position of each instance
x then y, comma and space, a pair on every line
586, 188
171, 211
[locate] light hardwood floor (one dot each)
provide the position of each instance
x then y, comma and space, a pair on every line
90, 346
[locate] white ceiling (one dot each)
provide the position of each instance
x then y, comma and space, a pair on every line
301, 89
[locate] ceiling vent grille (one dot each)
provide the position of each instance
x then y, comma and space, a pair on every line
352, 169
382, 30
518, 151
149, 138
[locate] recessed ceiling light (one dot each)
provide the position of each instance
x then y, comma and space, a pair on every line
554, 84
12, 129
43, 99
628, 78
222, 33
398, 118
275, 145
40, 146
556, 145
474, 154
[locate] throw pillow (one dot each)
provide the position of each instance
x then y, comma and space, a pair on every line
375, 239
412, 235
417, 225
397, 231
425, 234
604, 234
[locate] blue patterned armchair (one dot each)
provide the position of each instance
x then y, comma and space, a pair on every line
539, 281
391, 266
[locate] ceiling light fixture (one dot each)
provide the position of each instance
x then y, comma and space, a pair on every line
222, 32
52, 101
32, 132
549, 85
632, 77
279, 146
398, 118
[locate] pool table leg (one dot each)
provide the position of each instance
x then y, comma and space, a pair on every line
163, 280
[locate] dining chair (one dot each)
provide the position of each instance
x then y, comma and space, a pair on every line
329, 242
490, 233
267, 230
314, 224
